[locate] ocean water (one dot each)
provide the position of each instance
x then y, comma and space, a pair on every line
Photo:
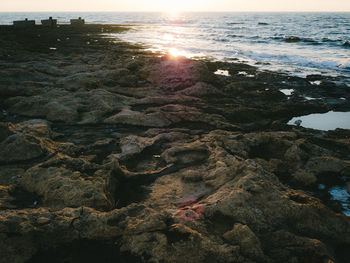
296, 43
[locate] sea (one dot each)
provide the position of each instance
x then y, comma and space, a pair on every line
300, 44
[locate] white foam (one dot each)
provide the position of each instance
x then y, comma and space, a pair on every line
324, 121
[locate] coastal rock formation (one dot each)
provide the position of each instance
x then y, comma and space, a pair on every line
109, 153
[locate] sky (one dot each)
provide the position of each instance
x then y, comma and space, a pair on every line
175, 5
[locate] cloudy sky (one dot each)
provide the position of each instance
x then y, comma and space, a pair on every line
175, 5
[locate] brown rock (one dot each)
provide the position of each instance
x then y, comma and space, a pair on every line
60, 187
244, 237
19, 147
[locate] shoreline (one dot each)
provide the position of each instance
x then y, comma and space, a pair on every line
112, 153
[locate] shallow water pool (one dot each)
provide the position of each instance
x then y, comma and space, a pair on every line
324, 121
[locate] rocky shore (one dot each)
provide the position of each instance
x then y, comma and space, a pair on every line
109, 153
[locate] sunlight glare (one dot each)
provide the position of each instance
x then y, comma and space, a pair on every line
169, 37
174, 52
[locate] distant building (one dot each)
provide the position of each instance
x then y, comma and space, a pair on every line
77, 22
24, 23
49, 22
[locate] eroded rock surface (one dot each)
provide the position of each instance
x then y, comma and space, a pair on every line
112, 154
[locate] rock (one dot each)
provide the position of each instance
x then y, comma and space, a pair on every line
19, 147
60, 187
35, 127
9, 175
5, 131
186, 154
201, 89
305, 178
129, 117
323, 164
312, 249
132, 145
292, 39
244, 237
43, 220
139, 158
298, 122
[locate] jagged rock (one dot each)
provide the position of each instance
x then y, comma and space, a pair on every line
61, 187
19, 147
244, 237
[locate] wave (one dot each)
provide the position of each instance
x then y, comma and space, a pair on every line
235, 23
328, 40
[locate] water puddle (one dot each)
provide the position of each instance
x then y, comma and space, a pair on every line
323, 121
222, 72
341, 194
287, 92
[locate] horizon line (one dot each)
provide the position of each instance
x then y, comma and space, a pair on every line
159, 11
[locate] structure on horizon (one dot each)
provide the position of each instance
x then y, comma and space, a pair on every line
77, 22
24, 23
49, 22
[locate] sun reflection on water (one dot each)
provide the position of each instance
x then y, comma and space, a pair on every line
169, 37
174, 52
171, 41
